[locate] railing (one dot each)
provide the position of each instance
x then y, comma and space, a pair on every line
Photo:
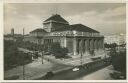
71, 34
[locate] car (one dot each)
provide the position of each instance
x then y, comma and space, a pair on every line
49, 75
75, 69
15, 77
47, 53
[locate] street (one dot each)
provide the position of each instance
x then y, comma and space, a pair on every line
81, 74
102, 74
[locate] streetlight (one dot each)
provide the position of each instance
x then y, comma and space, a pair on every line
23, 70
23, 60
81, 59
81, 49
42, 56
39, 44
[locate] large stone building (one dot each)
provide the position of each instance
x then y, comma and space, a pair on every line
77, 38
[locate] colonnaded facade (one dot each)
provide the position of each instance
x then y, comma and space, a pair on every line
78, 38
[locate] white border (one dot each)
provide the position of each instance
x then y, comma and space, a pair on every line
65, 1
1, 38
51, 1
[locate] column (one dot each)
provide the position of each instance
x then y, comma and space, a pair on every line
92, 43
86, 45
74, 46
78, 45
99, 44
83, 46
96, 44
103, 43
65, 42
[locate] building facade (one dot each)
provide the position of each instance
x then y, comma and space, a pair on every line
78, 38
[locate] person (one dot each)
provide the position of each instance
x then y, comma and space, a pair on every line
42, 56
49, 74
48, 60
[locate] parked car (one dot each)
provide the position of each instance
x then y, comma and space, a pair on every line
75, 69
47, 53
12, 77
117, 75
49, 75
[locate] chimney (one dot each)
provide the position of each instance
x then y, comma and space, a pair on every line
23, 31
12, 31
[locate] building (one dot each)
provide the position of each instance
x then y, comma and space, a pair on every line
119, 39
12, 31
78, 38
13, 37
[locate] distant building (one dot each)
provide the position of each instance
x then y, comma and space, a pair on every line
118, 39
12, 31
78, 38
12, 36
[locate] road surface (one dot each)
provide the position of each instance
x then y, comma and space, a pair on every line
81, 74
102, 74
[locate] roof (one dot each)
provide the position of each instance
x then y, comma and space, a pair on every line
77, 27
81, 27
57, 18
15, 35
38, 30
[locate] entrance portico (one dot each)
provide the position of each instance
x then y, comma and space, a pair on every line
85, 45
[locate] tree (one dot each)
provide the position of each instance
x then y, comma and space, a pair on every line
12, 57
113, 45
118, 60
58, 51
107, 45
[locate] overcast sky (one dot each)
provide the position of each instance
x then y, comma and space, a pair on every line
107, 18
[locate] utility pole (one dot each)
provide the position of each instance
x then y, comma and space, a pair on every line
23, 71
39, 48
23, 60
81, 56
81, 59
42, 57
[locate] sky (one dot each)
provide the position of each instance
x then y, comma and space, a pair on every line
107, 18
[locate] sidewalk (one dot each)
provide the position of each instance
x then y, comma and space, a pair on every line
74, 61
35, 69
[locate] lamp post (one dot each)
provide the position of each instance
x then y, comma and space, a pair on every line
39, 43
23, 60
23, 69
42, 56
81, 56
